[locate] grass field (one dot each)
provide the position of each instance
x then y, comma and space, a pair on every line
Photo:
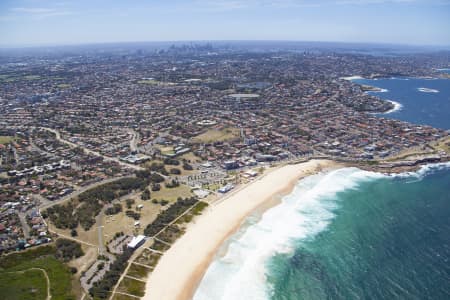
6, 139
149, 82
131, 286
32, 77
123, 297
442, 145
28, 284
121, 222
89, 236
11, 78
214, 135
190, 157
148, 258
138, 271
172, 194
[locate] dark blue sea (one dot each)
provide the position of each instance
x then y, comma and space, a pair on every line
425, 107
348, 233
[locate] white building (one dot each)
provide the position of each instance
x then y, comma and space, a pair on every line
136, 242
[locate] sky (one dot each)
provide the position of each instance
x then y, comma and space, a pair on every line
66, 22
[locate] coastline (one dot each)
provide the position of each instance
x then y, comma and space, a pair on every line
188, 259
350, 78
397, 106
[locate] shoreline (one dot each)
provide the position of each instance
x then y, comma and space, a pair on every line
397, 106
350, 78
189, 257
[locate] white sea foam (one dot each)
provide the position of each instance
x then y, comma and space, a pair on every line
427, 90
241, 273
352, 77
424, 171
397, 106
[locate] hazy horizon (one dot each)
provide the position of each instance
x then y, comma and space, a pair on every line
215, 42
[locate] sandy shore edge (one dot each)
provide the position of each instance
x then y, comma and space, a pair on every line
182, 267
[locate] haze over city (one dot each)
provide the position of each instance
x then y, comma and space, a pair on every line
34, 23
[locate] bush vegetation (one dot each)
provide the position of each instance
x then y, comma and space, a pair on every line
173, 184
102, 288
171, 161
67, 250
92, 202
168, 215
145, 194
175, 171
114, 210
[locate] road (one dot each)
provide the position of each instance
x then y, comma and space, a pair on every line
25, 227
80, 191
99, 222
49, 295
107, 158
72, 239
134, 140
35, 147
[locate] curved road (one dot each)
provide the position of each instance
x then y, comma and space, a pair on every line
79, 191
134, 140
49, 295
73, 145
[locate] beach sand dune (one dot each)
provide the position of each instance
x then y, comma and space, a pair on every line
182, 267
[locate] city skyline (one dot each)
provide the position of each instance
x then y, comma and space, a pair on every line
40, 23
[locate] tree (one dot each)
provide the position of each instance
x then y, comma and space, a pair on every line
100, 266
173, 184
129, 203
145, 194
67, 250
156, 178
175, 171
156, 187
187, 166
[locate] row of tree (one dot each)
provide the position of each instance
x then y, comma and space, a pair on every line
168, 215
102, 288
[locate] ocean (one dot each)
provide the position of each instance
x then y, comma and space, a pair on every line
425, 107
349, 233
346, 234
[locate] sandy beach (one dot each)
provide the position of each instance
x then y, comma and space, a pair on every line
182, 267
352, 77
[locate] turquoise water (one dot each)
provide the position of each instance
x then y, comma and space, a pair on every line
390, 239
425, 108
346, 234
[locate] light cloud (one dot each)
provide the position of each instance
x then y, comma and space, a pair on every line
224, 5
33, 10
39, 12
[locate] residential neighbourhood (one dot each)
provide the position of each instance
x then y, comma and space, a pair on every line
120, 151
